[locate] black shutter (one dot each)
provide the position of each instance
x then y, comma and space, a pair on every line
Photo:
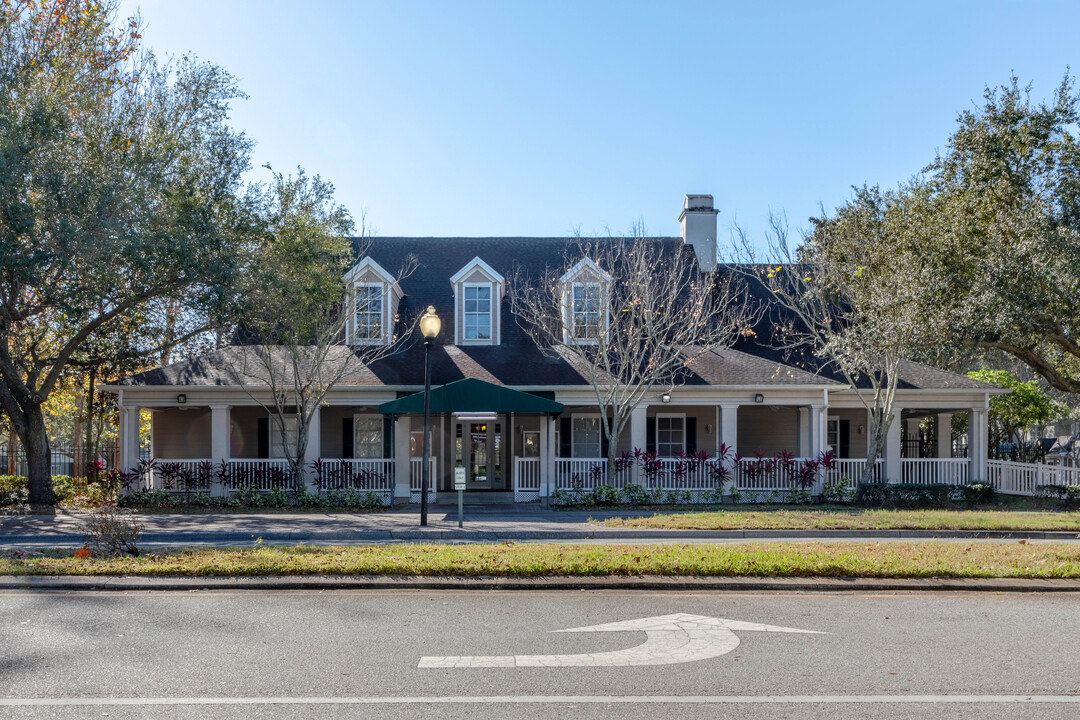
347, 438
262, 437
387, 437
691, 435
565, 446
605, 443
650, 434
844, 451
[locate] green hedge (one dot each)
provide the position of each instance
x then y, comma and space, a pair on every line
935, 495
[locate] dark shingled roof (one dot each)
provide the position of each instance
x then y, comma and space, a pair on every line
517, 361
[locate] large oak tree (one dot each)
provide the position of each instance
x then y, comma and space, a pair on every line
120, 192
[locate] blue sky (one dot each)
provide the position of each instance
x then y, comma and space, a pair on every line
542, 118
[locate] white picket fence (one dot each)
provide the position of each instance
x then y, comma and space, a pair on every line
1016, 478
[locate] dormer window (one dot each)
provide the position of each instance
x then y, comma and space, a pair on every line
477, 312
585, 311
585, 297
478, 292
369, 313
374, 294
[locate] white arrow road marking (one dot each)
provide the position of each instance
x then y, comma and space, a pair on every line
671, 639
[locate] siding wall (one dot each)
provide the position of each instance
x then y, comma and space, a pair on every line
179, 434
769, 428
856, 417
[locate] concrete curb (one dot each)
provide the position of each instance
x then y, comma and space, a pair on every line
54, 583
376, 536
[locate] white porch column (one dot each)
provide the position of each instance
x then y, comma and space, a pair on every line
546, 456
729, 426
892, 450
944, 435
402, 459
129, 437
314, 443
977, 442
219, 443
816, 427
638, 420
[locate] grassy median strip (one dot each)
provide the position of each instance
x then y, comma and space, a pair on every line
848, 519
880, 560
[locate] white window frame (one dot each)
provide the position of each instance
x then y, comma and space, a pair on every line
573, 435
832, 427
669, 416
357, 340
601, 314
357, 419
490, 339
292, 434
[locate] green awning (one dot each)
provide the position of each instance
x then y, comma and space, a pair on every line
472, 395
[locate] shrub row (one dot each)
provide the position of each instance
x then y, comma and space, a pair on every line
13, 490
933, 495
251, 497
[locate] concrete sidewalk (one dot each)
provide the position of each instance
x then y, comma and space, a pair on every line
403, 525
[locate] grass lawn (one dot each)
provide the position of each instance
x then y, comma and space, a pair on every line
854, 519
880, 560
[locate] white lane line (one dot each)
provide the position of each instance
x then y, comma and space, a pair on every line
557, 699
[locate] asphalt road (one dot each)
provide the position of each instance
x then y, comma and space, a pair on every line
346, 654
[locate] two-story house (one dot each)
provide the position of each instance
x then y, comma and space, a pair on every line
522, 422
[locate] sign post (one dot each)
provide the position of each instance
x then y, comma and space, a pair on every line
459, 485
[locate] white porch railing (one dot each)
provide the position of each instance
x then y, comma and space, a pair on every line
416, 479
261, 474
526, 479
186, 475
852, 468
366, 475
929, 471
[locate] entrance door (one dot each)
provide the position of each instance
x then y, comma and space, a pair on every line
478, 448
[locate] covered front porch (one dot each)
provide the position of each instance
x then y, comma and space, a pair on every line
522, 446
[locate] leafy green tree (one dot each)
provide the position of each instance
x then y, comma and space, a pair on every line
295, 307
120, 193
1025, 407
1005, 246
849, 297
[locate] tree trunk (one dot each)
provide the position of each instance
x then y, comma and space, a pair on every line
12, 452
35, 440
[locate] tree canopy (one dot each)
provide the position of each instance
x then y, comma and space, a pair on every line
120, 196
1003, 258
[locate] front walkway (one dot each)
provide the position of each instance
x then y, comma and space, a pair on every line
482, 524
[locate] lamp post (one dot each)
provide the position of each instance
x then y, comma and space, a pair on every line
430, 324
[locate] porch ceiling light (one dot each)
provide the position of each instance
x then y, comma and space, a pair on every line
430, 324
759, 398
665, 398
181, 399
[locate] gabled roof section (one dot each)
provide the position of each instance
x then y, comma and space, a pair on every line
368, 264
582, 265
477, 264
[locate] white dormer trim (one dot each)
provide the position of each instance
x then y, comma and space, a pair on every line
492, 279
596, 277
586, 263
477, 264
386, 283
368, 264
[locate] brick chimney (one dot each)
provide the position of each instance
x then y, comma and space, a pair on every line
698, 222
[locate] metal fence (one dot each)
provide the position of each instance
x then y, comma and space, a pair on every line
66, 460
